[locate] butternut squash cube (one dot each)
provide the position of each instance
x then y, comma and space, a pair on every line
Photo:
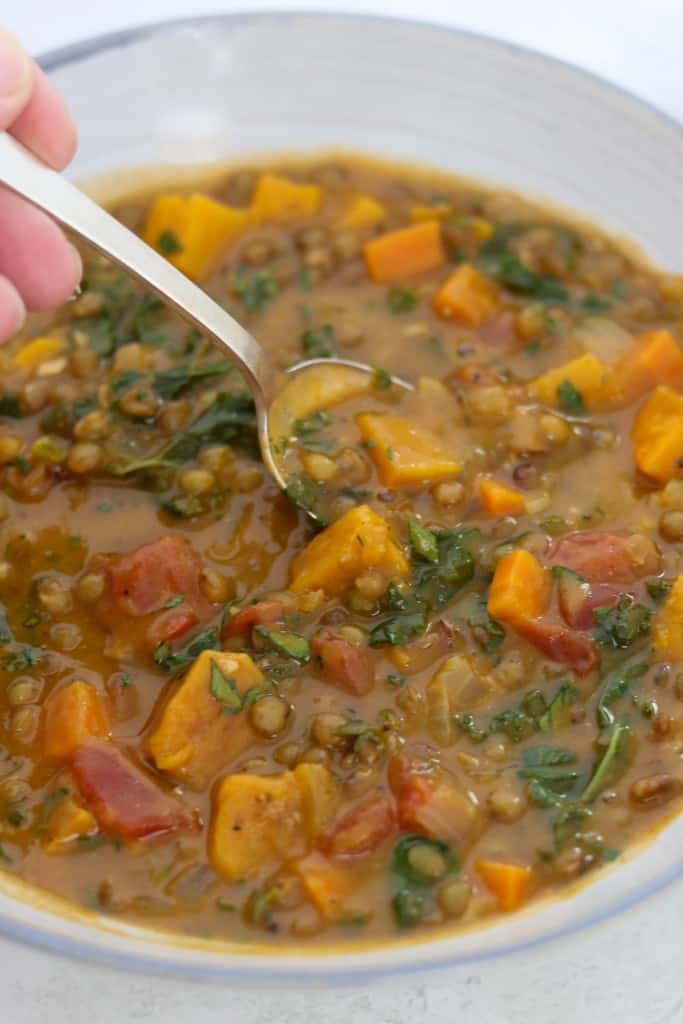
198, 732
657, 435
403, 452
67, 822
321, 797
519, 590
38, 351
358, 541
466, 295
499, 500
667, 627
362, 212
327, 885
277, 198
73, 715
655, 358
192, 231
586, 373
257, 820
405, 252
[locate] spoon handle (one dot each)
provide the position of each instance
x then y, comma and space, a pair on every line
22, 173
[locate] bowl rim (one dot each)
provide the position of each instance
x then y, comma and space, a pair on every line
345, 965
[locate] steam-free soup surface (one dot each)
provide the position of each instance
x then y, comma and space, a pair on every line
462, 693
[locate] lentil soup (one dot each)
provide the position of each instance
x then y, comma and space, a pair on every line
462, 692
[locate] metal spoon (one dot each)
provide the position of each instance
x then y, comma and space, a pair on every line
21, 172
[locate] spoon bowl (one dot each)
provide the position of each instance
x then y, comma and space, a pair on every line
277, 394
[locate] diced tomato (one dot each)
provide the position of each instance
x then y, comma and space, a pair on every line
343, 663
253, 615
122, 797
602, 557
172, 624
145, 579
362, 829
578, 601
433, 802
567, 646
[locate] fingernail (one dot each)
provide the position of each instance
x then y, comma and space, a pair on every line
78, 268
16, 79
12, 310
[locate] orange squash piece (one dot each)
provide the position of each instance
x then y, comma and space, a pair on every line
519, 590
500, 501
327, 885
667, 625
403, 253
73, 715
656, 358
277, 198
466, 295
194, 230
509, 883
403, 452
194, 737
358, 541
657, 435
586, 373
362, 212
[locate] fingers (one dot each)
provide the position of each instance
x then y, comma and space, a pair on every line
16, 79
35, 256
44, 125
12, 310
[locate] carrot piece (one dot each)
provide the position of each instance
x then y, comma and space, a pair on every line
656, 358
466, 295
657, 435
509, 883
402, 253
73, 715
519, 590
499, 500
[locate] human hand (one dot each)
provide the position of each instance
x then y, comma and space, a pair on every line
39, 269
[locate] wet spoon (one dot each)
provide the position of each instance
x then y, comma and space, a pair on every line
277, 394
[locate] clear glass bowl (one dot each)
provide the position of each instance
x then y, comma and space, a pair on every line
209, 90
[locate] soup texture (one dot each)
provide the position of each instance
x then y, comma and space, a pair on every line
462, 689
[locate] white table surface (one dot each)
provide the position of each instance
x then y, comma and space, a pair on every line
628, 970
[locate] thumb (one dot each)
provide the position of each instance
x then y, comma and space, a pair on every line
16, 79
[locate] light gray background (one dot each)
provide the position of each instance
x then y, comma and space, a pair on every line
628, 970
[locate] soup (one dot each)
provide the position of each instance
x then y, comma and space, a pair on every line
463, 689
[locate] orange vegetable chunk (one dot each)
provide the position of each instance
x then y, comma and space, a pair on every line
359, 540
509, 883
197, 227
277, 198
403, 253
657, 435
466, 295
667, 626
194, 737
327, 885
519, 590
73, 715
403, 452
656, 358
499, 500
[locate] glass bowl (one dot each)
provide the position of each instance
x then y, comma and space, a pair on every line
226, 88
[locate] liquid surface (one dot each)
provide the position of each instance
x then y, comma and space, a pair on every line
466, 691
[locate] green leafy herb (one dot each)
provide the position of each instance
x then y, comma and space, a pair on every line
621, 624
658, 590
61, 419
403, 864
319, 342
171, 661
615, 686
517, 722
381, 379
395, 679
91, 842
16, 817
5, 632
303, 278
570, 399
401, 300
49, 802
509, 271
548, 772
612, 764
255, 290
408, 907
174, 601
21, 658
558, 714
4, 856
398, 629
423, 543
10, 406
168, 244
290, 644
488, 633
438, 582
169, 384
304, 492
225, 690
